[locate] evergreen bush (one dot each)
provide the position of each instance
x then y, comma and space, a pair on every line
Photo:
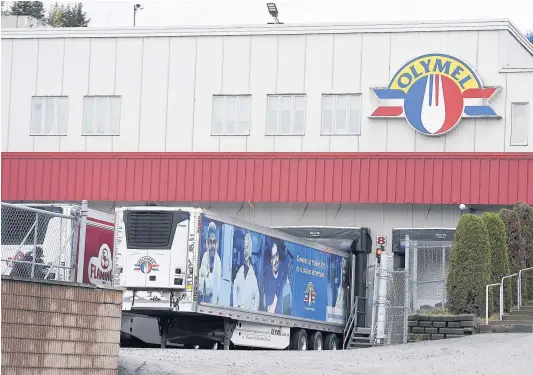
470, 267
525, 215
515, 241
499, 257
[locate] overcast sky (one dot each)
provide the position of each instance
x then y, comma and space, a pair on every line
227, 12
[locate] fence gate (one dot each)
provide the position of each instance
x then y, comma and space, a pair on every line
397, 308
428, 264
38, 243
420, 286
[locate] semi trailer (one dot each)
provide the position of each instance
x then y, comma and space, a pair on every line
196, 278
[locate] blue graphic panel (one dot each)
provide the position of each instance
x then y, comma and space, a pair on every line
249, 270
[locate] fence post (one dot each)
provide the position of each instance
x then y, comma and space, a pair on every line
519, 289
81, 246
407, 300
35, 233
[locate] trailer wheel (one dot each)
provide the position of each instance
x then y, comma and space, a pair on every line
331, 342
315, 341
299, 340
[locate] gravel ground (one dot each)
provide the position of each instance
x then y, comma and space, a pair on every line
487, 354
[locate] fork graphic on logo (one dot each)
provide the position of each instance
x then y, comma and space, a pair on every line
433, 93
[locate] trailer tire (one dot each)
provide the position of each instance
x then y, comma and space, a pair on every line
315, 341
331, 342
299, 340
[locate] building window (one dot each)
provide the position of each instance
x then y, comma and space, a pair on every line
519, 124
49, 115
341, 114
285, 115
231, 114
101, 115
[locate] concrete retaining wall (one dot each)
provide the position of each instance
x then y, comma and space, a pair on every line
436, 327
58, 328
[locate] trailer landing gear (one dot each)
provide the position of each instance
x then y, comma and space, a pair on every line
163, 331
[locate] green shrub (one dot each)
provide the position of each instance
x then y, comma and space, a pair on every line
525, 215
515, 245
499, 257
515, 241
470, 267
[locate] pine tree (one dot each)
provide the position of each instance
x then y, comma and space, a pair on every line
34, 9
67, 16
470, 267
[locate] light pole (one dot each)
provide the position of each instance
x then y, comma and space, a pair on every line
273, 10
136, 8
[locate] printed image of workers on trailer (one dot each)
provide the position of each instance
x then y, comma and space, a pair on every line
255, 272
245, 290
276, 287
210, 267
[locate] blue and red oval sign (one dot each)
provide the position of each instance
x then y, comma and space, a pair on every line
433, 92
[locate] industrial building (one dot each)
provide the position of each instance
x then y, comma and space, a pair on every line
387, 126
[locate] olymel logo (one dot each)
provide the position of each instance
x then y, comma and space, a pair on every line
433, 92
101, 267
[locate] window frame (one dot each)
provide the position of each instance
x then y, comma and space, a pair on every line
334, 125
279, 110
43, 114
225, 123
95, 134
527, 105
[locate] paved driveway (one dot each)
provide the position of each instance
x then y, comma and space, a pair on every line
488, 354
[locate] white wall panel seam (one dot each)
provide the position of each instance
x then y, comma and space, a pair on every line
387, 121
331, 90
10, 90
224, 38
168, 90
477, 70
277, 77
88, 93
35, 93
141, 97
63, 72
306, 96
251, 127
115, 93
194, 92
361, 91
505, 127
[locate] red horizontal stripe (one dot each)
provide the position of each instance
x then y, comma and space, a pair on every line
383, 111
479, 93
422, 178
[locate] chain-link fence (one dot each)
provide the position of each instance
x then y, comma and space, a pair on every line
397, 307
38, 242
428, 265
418, 287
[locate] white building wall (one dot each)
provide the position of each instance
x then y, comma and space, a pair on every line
380, 218
167, 82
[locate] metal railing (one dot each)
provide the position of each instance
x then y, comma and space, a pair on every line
38, 243
350, 324
501, 292
519, 285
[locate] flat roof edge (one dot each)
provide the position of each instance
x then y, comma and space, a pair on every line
266, 29
272, 29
